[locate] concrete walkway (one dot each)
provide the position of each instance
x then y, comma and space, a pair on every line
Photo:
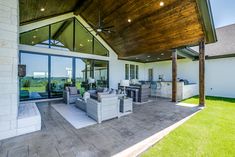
59, 139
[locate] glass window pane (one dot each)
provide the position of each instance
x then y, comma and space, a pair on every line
61, 74
101, 73
137, 72
35, 84
37, 37
127, 71
89, 68
150, 73
99, 49
62, 35
132, 71
83, 39
80, 75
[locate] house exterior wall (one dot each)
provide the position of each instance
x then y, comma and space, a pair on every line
8, 67
219, 74
220, 77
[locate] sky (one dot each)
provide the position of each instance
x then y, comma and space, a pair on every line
223, 12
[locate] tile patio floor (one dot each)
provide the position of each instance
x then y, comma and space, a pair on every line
59, 139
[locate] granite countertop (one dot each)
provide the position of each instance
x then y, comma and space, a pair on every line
178, 82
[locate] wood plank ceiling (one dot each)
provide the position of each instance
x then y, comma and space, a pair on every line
153, 32
30, 10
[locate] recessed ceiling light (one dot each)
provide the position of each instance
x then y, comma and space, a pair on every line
42, 9
32, 42
148, 56
162, 54
161, 3
34, 36
129, 20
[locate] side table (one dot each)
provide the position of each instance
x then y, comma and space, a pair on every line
126, 106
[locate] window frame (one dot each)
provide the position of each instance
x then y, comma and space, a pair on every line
128, 71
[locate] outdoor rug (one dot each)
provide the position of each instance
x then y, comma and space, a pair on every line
76, 117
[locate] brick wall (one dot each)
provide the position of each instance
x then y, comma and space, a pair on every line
8, 67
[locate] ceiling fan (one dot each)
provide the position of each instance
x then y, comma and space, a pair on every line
101, 27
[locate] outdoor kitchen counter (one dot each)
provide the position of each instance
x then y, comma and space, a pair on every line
164, 89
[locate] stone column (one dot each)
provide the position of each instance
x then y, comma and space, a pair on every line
8, 67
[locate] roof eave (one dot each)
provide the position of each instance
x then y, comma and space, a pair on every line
205, 12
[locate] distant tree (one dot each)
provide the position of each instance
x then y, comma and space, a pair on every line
26, 83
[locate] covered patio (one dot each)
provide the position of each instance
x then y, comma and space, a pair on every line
59, 138
85, 51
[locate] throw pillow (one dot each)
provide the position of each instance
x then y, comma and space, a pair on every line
86, 95
73, 90
99, 89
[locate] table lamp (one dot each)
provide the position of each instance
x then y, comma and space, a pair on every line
125, 83
90, 82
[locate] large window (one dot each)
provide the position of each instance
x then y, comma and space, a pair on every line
61, 35
83, 39
61, 74
35, 84
99, 49
101, 73
47, 75
37, 37
68, 35
131, 71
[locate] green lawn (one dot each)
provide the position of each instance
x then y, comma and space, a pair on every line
210, 133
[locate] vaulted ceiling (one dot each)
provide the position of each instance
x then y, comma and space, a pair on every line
154, 29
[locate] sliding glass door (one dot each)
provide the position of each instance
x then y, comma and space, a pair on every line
61, 74
47, 75
80, 74
35, 84
101, 73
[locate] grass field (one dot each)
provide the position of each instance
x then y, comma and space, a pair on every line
210, 133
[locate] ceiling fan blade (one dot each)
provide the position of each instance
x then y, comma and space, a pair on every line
106, 33
92, 25
108, 27
109, 31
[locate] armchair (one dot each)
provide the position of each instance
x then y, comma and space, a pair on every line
70, 95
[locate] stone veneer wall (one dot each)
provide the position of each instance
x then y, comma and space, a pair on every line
8, 67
